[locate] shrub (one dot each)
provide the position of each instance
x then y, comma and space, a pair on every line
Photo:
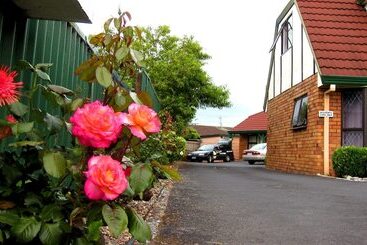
350, 160
191, 133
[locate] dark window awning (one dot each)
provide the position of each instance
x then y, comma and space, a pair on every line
63, 10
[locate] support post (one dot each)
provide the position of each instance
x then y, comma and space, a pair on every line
326, 130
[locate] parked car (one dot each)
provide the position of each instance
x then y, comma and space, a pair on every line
210, 153
257, 153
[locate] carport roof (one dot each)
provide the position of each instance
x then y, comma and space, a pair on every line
257, 122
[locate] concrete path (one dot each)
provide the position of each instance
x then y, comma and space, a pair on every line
235, 203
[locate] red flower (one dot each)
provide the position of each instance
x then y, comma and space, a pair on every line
8, 87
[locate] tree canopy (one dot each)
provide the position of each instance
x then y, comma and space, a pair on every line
176, 68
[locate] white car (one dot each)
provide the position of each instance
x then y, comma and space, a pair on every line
257, 153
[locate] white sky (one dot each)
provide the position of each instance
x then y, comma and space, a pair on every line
237, 34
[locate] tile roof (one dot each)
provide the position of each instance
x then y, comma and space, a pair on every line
207, 131
338, 33
256, 122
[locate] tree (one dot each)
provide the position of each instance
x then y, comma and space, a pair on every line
175, 66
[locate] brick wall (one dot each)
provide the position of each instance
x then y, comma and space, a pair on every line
210, 140
239, 143
301, 151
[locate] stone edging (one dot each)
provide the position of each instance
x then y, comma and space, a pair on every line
346, 178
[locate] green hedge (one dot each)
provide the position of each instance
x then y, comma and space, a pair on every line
350, 160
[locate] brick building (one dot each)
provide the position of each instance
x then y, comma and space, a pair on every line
211, 134
248, 133
316, 95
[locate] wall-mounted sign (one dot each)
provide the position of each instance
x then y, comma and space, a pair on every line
326, 114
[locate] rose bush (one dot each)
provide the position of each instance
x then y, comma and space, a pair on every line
52, 193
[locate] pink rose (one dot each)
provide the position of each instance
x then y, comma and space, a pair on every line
96, 125
141, 120
106, 178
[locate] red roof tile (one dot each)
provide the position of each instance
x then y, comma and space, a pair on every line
338, 33
208, 131
256, 122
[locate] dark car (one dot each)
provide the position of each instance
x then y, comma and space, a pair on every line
210, 153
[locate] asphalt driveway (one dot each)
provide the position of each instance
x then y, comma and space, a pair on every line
235, 203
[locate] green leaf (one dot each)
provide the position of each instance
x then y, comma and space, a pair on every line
76, 104
18, 109
24, 65
136, 56
26, 229
138, 227
43, 66
103, 76
141, 177
94, 230
115, 218
51, 212
43, 75
20, 128
107, 24
54, 124
26, 143
60, 90
54, 164
8, 218
50, 234
122, 52
81, 241
32, 199
5, 123
117, 23
1, 236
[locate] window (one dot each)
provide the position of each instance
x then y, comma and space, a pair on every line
299, 119
286, 36
353, 117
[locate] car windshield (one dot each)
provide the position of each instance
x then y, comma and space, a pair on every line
258, 147
206, 148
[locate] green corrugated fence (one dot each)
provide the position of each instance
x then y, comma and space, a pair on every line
56, 42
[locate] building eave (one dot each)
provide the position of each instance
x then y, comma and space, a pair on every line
247, 132
344, 80
66, 10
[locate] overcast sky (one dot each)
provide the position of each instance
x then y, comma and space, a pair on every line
237, 34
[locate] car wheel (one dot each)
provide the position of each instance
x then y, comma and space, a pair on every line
251, 162
210, 159
227, 159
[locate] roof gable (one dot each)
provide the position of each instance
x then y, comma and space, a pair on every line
256, 122
337, 30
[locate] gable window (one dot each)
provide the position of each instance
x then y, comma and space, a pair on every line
299, 119
286, 35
